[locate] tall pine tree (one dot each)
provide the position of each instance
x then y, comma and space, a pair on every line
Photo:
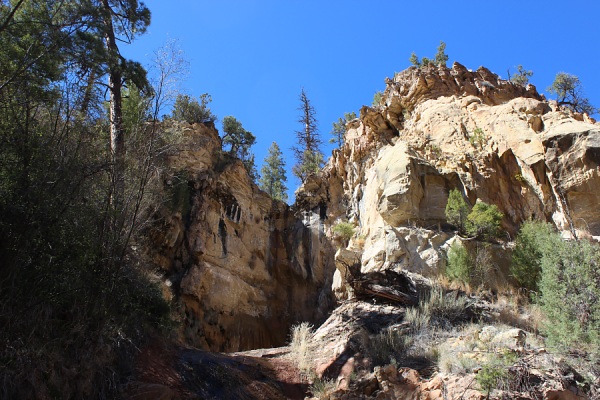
273, 174
307, 152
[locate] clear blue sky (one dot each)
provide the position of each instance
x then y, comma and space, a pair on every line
254, 56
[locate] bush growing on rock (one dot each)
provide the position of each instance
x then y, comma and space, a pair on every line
460, 264
484, 221
344, 230
569, 93
193, 111
570, 294
494, 373
533, 238
457, 210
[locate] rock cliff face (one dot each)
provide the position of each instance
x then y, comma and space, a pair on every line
438, 129
241, 267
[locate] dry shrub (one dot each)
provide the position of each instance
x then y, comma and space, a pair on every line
301, 348
321, 388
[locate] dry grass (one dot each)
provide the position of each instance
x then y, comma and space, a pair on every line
322, 388
301, 348
437, 310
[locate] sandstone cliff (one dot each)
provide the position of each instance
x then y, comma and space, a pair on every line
240, 267
438, 129
243, 268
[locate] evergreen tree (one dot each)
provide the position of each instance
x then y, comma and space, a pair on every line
377, 98
63, 241
339, 128
414, 60
193, 111
522, 76
273, 177
237, 138
240, 141
441, 57
309, 157
108, 22
569, 93
457, 210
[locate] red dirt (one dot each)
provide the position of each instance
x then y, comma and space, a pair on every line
168, 371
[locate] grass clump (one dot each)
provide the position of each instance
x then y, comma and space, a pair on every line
301, 349
321, 388
437, 310
388, 346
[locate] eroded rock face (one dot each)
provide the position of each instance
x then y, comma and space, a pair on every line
241, 267
438, 129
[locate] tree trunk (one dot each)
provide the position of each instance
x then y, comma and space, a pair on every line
117, 139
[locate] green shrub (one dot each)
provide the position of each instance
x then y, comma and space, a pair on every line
526, 266
460, 263
570, 294
191, 110
494, 373
344, 230
457, 210
478, 138
484, 220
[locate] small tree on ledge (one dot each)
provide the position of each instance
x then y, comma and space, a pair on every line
440, 58
569, 93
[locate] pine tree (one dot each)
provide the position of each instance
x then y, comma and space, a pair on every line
569, 93
273, 174
339, 128
114, 21
441, 57
309, 157
522, 76
238, 138
240, 141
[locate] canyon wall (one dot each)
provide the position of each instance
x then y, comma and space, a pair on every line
438, 129
240, 267
243, 268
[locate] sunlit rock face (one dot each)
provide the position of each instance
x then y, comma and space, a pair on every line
438, 129
240, 267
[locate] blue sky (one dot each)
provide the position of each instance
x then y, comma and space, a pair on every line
255, 56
